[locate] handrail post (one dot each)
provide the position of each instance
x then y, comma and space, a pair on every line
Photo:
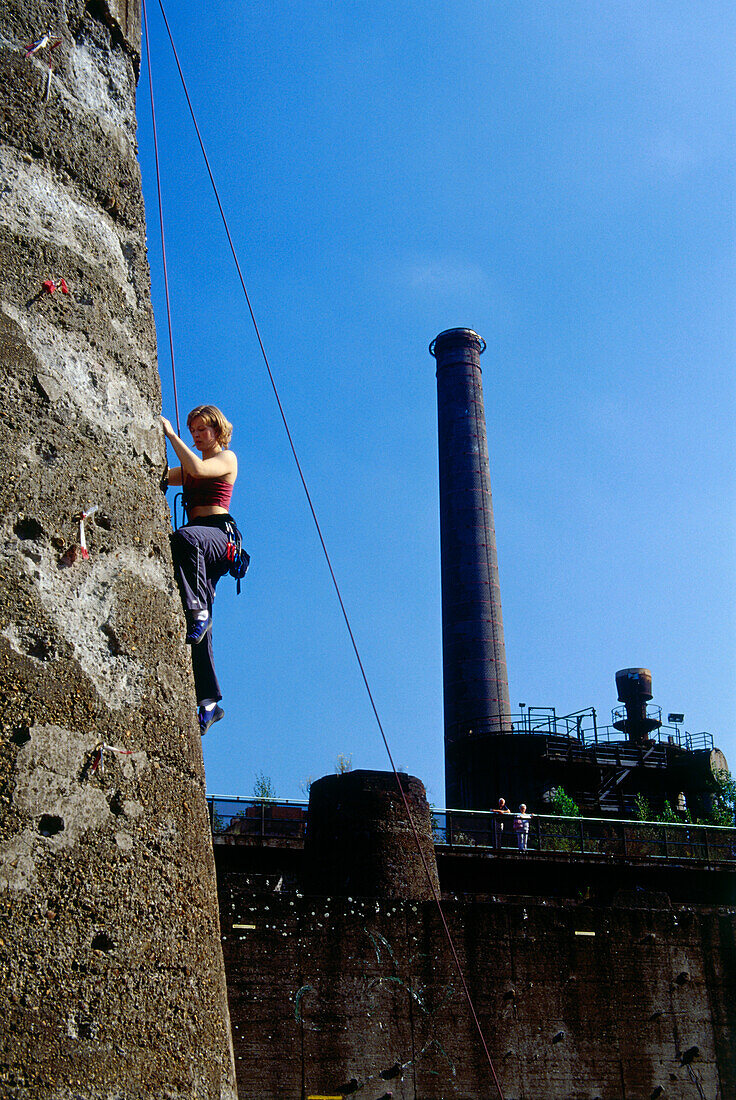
595, 726
263, 819
623, 841
666, 845
582, 835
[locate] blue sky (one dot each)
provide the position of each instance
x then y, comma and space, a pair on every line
557, 176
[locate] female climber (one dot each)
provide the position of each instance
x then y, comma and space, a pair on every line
200, 547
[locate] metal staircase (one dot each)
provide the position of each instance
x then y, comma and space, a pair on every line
614, 762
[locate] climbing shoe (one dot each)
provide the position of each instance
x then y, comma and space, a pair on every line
208, 718
196, 630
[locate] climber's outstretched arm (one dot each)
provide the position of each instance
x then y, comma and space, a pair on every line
219, 465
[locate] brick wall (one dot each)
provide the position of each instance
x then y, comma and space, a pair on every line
341, 997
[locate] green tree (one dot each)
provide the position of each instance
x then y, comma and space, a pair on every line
642, 809
668, 815
561, 805
561, 836
343, 764
724, 809
263, 786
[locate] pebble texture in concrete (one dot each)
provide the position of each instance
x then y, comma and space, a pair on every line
111, 975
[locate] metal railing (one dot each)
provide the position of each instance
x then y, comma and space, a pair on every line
238, 820
259, 820
580, 726
665, 735
587, 836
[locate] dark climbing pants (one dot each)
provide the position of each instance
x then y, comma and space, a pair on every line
199, 550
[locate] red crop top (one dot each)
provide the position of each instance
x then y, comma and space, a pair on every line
206, 492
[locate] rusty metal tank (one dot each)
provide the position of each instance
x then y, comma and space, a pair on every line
634, 686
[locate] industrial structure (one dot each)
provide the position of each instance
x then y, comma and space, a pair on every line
600, 955
601, 961
476, 689
488, 750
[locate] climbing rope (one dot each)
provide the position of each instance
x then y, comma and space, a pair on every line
430, 880
161, 218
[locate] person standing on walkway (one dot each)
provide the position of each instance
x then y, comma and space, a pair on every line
502, 809
521, 827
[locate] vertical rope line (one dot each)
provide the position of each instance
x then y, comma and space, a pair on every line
161, 218
433, 888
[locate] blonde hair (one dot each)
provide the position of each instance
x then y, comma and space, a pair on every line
213, 418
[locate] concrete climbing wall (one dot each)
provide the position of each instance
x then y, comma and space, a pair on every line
359, 998
111, 975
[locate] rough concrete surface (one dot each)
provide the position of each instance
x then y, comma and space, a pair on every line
111, 974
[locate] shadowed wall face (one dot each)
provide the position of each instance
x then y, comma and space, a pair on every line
343, 996
476, 694
111, 975
360, 843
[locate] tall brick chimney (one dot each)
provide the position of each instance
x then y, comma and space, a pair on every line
476, 692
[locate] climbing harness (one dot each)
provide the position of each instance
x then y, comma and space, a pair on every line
238, 557
410, 818
178, 497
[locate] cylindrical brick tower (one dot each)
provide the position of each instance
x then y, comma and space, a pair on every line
476, 693
111, 974
360, 841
